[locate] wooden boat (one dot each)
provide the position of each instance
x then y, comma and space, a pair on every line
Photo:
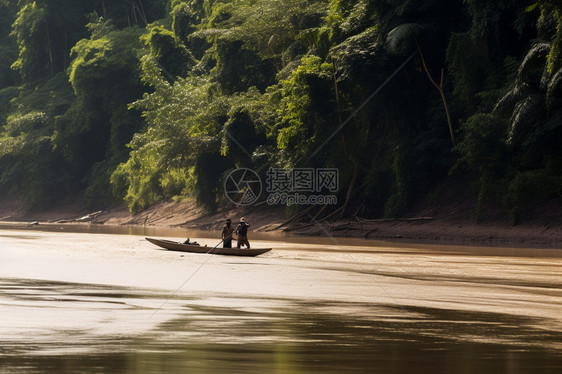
178, 246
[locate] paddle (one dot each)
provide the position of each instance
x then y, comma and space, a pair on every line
191, 276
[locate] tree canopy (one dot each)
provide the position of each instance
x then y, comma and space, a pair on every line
144, 100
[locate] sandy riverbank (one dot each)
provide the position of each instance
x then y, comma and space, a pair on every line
445, 224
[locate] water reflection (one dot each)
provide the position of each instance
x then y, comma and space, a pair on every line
75, 328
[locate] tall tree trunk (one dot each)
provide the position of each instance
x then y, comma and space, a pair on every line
336, 89
65, 47
134, 11
49, 48
441, 91
349, 192
142, 12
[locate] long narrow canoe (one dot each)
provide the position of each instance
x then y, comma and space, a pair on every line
177, 246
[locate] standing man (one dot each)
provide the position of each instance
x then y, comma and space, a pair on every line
242, 232
227, 231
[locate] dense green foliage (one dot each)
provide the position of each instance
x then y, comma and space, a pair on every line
145, 100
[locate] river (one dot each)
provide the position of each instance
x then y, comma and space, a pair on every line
96, 299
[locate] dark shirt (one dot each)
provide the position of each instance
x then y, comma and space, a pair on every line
242, 228
227, 232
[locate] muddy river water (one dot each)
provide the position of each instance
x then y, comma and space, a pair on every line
92, 299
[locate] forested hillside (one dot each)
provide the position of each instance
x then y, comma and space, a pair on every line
144, 100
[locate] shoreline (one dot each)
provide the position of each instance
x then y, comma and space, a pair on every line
429, 228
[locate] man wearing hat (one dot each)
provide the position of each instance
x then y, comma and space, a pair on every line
242, 232
227, 231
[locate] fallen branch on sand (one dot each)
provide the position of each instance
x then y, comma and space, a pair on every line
394, 219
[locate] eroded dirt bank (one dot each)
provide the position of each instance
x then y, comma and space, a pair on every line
445, 224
